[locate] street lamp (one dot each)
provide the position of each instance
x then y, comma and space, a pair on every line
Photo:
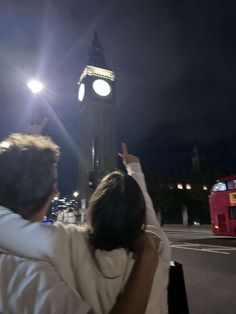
35, 86
76, 194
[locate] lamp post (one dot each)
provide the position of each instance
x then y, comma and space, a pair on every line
36, 87
75, 195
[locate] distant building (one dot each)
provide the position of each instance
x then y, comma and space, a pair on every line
189, 189
198, 180
96, 124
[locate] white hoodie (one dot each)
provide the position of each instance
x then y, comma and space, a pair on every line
98, 277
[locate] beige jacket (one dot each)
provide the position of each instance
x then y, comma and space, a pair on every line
99, 277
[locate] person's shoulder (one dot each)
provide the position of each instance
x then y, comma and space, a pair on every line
70, 229
32, 274
114, 263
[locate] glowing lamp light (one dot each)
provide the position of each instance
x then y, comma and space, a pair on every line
188, 186
35, 86
4, 144
204, 187
101, 87
76, 194
180, 186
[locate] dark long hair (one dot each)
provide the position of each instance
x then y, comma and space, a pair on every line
116, 212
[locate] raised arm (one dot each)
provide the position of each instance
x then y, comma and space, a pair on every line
134, 169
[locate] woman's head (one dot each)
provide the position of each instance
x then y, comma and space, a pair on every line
116, 212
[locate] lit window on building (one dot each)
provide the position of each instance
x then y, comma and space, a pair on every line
188, 186
204, 188
180, 186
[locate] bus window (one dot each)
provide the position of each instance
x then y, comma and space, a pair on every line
232, 212
219, 186
231, 185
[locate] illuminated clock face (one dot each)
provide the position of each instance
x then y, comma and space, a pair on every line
81, 92
101, 87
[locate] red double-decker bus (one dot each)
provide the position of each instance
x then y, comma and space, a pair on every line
222, 202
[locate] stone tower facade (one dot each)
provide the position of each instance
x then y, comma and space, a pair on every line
96, 125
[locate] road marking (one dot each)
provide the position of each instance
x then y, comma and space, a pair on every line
204, 248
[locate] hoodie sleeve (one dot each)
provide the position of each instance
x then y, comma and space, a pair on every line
152, 224
134, 170
35, 240
24, 238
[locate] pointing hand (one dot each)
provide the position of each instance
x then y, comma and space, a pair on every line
37, 129
127, 158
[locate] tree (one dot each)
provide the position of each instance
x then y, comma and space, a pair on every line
170, 203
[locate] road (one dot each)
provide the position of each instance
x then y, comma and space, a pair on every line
209, 267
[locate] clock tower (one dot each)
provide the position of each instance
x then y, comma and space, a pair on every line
97, 142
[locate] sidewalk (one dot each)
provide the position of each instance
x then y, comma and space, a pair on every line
192, 228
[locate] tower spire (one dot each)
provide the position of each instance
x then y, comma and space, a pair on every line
96, 54
196, 160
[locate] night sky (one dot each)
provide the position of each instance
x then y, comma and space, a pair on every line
175, 65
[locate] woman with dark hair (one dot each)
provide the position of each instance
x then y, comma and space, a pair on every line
116, 213
120, 210
98, 259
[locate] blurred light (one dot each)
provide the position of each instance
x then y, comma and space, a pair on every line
76, 194
180, 186
4, 144
56, 198
204, 187
35, 86
188, 186
219, 186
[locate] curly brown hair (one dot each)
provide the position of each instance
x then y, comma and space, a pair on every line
28, 170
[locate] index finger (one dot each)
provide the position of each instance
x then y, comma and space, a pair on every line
124, 149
